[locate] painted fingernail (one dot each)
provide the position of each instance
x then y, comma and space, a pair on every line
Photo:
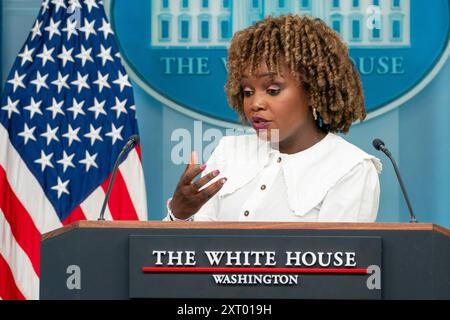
216, 173
203, 166
223, 180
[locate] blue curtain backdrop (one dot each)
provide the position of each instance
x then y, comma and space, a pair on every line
417, 133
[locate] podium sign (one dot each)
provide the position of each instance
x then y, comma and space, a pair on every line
276, 267
274, 260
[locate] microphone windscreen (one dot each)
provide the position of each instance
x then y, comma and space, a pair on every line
135, 138
377, 143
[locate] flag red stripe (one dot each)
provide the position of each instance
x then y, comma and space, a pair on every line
8, 288
22, 225
77, 214
119, 203
138, 150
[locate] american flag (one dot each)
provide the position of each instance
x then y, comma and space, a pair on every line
66, 111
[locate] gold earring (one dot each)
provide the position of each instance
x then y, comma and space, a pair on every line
315, 114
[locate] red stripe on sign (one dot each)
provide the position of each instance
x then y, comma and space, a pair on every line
76, 215
22, 225
8, 287
255, 270
119, 203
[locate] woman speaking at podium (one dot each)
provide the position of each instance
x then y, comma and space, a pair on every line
291, 78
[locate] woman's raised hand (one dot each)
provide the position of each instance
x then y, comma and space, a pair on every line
189, 196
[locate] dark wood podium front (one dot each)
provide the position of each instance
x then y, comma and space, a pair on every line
125, 260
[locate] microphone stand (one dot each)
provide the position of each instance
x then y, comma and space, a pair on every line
379, 145
131, 143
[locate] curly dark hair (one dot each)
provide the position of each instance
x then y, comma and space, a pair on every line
317, 58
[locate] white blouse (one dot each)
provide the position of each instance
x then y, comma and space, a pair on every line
332, 181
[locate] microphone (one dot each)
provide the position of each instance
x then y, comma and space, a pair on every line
131, 143
379, 145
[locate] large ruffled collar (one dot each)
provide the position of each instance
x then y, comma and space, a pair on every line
308, 174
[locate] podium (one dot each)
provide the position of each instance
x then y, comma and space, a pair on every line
252, 260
